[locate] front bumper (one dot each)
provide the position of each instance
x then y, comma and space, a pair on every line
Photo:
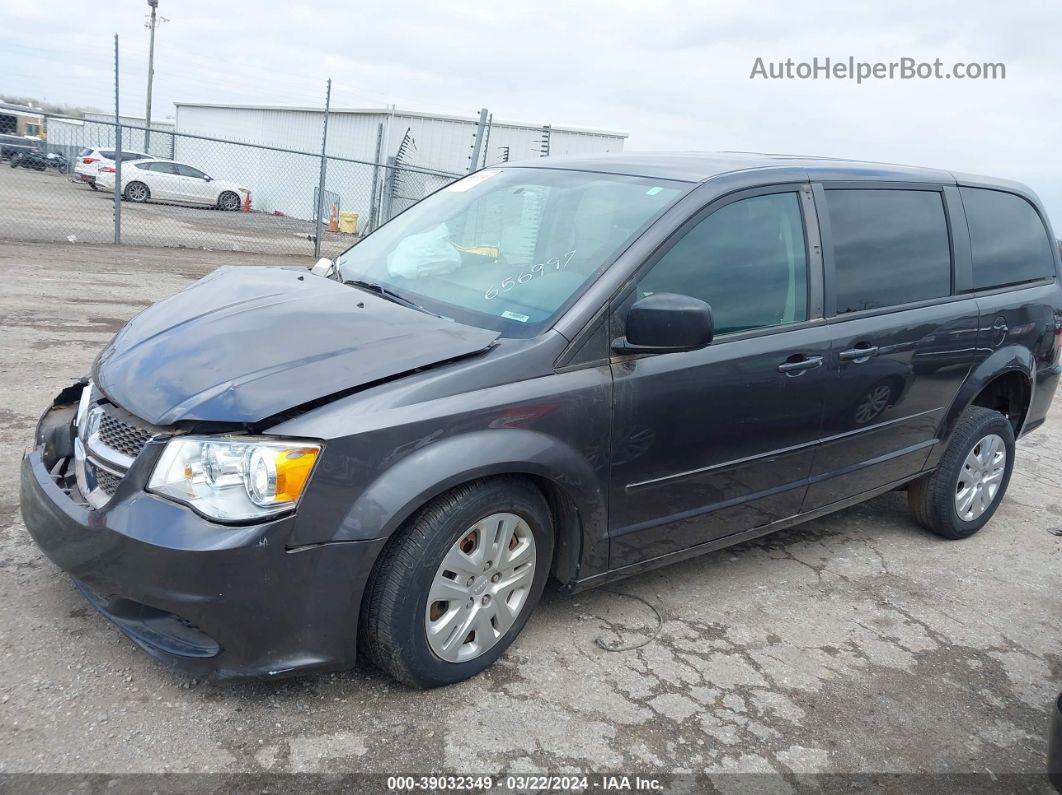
214, 600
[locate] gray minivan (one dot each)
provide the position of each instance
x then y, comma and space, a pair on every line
570, 368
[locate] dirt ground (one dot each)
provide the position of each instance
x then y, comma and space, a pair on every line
48, 206
854, 643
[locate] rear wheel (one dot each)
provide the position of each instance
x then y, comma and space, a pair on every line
228, 201
963, 493
458, 582
136, 192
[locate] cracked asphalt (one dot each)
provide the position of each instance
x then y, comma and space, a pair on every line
854, 643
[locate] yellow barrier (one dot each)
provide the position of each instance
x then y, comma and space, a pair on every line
348, 223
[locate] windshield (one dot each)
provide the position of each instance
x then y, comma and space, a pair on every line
507, 249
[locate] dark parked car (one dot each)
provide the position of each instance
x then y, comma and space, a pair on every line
569, 368
16, 145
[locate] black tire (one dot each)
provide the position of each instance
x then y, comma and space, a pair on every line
93, 186
392, 632
228, 201
131, 193
932, 498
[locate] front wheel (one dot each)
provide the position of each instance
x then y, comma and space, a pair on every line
458, 582
228, 201
960, 497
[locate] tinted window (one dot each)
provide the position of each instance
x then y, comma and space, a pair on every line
746, 259
1009, 241
890, 247
188, 171
107, 153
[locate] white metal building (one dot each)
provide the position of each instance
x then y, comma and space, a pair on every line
97, 129
285, 182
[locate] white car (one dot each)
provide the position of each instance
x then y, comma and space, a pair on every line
168, 181
90, 161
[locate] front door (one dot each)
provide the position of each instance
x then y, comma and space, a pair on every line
711, 442
193, 183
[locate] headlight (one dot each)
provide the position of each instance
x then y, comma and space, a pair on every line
234, 479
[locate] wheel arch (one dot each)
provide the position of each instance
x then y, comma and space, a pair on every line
571, 485
1004, 382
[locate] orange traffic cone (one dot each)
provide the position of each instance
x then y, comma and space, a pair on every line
247, 202
333, 221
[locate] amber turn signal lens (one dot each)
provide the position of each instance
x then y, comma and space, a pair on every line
293, 468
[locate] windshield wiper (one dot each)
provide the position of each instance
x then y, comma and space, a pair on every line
389, 294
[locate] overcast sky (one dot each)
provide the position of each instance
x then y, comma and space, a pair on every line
673, 75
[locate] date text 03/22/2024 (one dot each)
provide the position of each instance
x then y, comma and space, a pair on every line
525, 783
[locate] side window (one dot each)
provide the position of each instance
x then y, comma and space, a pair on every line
748, 260
890, 247
188, 171
132, 156
1008, 240
107, 153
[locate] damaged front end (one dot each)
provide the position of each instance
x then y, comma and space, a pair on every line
88, 444
212, 598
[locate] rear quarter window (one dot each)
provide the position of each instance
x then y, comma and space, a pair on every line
1008, 240
890, 247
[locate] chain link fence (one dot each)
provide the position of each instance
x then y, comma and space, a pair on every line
196, 191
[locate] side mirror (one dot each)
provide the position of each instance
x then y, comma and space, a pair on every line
322, 267
666, 323
208, 178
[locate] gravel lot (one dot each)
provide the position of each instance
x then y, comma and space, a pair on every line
47, 206
853, 643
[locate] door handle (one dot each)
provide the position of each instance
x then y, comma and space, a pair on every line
860, 353
800, 365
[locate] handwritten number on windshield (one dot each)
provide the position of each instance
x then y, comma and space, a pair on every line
551, 265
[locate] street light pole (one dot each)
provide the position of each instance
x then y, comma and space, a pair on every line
150, 76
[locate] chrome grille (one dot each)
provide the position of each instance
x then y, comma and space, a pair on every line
107, 481
108, 442
121, 436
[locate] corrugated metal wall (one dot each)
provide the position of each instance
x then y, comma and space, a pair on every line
285, 182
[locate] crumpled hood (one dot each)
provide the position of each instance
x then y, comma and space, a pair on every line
246, 343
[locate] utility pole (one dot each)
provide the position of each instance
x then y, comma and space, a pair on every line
117, 153
151, 74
